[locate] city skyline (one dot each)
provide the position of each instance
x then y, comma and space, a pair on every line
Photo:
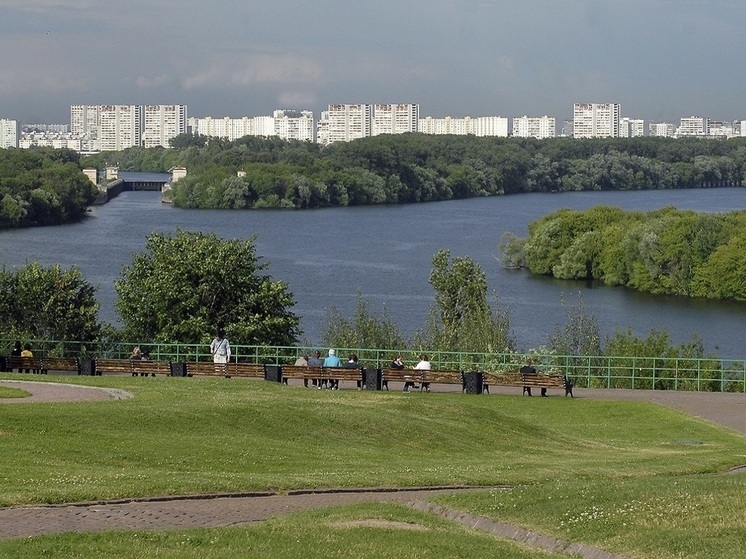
659, 60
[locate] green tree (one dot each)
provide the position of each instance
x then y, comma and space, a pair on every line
47, 303
365, 330
186, 285
463, 319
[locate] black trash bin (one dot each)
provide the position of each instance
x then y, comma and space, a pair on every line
473, 381
178, 369
372, 378
273, 373
86, 367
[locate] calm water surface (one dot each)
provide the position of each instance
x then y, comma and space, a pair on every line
328, 256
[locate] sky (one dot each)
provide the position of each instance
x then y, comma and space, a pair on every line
659, 59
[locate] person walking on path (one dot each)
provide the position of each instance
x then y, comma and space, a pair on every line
221, 351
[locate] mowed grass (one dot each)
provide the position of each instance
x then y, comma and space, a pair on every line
185, 436
657, 517
352, 532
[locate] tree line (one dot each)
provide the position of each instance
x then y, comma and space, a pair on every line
42, 186
254, 172
667, 251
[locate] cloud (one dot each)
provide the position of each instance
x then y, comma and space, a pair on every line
256, 70
144, 82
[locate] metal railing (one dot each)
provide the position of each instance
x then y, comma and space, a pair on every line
595, 371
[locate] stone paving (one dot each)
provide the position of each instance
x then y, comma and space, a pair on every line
168, 513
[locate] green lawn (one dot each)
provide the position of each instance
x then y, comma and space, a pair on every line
183, 436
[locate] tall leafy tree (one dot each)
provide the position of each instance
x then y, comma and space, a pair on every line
48, 303
463, 319
186, 285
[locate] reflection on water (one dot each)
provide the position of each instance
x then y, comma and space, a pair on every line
328, 256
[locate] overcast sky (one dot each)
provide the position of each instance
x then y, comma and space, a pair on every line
660, 59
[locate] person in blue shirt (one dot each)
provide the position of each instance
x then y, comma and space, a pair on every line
332, 361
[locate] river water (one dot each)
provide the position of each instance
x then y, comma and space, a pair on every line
328, 256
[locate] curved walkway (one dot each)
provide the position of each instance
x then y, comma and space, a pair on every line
162, 513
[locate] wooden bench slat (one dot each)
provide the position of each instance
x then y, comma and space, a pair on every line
246, 370
113, 366
301, 372
60, 364
147, 367
24, 363
206, 368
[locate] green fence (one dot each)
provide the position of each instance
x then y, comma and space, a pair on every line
650, 373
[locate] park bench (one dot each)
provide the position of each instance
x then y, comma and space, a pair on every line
24, 364
245, 370
113, 366
60, 364
442, 377
526, 381
546, 381
337, 374
206, 369
105, 366
422, 376
149, 367
301, 372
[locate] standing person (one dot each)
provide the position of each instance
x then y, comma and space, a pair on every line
332, 361
316, 361
424, 365
221, 351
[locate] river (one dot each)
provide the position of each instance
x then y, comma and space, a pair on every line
384, 252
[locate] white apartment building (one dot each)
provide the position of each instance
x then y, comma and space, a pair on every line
447, 125
84, 120
162, 123
10, 133
661, 129
631, 127
596, 120
121, 127
718, 129
395, 118
482, 126
697, 126
534, 127
294, 125
490, 126
348, 122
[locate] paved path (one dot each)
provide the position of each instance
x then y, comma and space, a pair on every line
728, 410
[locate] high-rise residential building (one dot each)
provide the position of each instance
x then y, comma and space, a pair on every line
631, 127
479, 126
447, 125
395, 118
596, 120
345, 123
661, 129
84, 120
294, 125
162, 123
717, 129
693, 126
10, 133
534, 127
121, 127
492, 126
